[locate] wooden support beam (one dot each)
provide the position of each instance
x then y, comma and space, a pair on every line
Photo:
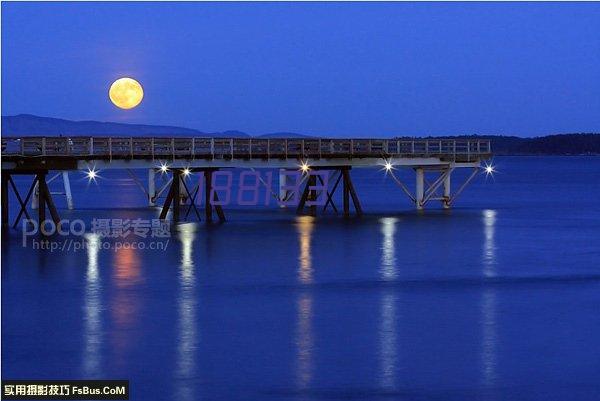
219, 209
192, 200
355, 200
330, 194
192, 204
209, 198
208, 201
25, 202
48, 200
346, 196
176, 200
168, 199
349, 191
304, 197
41, 200
312, 194
22, 203
67, 186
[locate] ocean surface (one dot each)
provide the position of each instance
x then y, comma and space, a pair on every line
495, 299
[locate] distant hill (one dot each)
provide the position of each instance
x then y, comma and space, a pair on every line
30, 125
285, 135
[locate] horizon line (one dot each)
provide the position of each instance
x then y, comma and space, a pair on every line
296, 133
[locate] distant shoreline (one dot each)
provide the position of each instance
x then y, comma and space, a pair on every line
576, 144
545, 154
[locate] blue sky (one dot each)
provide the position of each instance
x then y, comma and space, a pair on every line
338, 69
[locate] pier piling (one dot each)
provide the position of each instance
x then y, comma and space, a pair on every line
207, 195
310, 194
151, 187
420, 186
447, 193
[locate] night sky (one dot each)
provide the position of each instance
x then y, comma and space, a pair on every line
355, 69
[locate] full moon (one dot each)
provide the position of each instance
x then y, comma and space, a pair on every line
126, 93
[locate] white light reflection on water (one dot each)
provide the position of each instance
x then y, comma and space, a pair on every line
489, 243
489, 327
388, 250
305, 227
304, 305
92, 306
187, 337
388, 319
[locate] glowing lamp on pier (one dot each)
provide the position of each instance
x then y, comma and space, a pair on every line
91, 174
489, 169
304, 167
164, 167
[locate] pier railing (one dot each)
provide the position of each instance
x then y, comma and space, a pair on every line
240, 148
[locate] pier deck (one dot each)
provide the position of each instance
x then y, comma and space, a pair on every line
226, 152
37, 155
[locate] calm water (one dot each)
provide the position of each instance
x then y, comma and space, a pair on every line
498, 298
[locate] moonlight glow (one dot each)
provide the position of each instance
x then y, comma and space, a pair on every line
126, 93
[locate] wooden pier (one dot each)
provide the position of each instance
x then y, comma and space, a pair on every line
38, 155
